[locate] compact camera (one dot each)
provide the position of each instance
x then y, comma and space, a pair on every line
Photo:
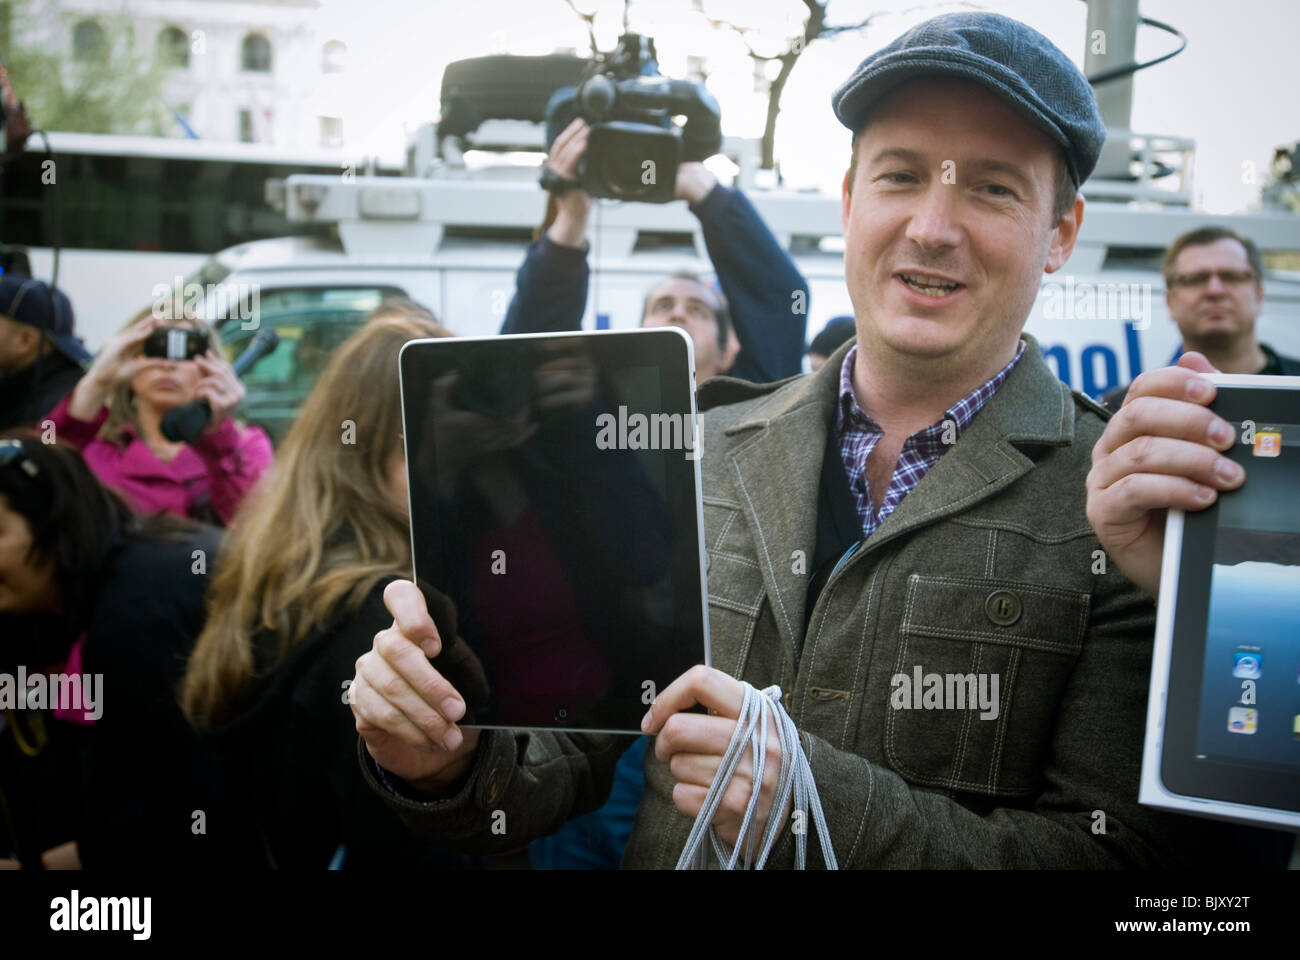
176, 343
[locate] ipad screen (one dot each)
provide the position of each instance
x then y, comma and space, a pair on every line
553, 493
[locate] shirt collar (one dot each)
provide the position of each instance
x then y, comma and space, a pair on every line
961, 413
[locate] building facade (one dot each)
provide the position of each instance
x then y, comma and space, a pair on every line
253, 71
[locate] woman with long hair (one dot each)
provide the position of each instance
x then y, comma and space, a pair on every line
114, 416
98, 610
297, 599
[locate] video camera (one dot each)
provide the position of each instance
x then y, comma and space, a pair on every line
634, 146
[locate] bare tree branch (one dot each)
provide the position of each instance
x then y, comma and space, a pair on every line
814, 27
845, 28
590, 20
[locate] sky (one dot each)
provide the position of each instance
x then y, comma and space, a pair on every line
1231, 90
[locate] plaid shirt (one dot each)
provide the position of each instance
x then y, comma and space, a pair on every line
858, 434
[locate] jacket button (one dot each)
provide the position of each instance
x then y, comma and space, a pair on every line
1002, 607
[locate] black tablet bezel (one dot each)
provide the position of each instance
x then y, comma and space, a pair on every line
667, 349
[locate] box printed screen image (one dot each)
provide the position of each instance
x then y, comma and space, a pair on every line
1250, 684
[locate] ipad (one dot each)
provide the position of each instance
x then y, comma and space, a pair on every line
554, 491
1223, 722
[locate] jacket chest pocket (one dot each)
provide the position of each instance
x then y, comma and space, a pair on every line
982, 666
743, 639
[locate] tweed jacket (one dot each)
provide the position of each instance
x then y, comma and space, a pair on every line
987, 568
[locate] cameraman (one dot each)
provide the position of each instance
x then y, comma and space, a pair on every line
115, 417
765, 296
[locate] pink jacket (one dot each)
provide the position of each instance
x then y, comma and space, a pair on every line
222, 465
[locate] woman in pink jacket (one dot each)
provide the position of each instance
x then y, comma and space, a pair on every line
115, 414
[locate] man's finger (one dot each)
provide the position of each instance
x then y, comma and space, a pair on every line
422, 695
411, 616
566, 158
568, 133
701, 768
1129, 499
1166, 456
689, 798
409, 662
1153, 416
1192, 360
699, 685
373, 712
694, 733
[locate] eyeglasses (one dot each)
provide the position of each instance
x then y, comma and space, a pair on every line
11, 452
1196, 281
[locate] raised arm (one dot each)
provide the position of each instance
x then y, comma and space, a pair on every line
766, 293
551, 285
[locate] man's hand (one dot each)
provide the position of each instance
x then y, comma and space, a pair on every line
573, 206
692, 745
1160, 450
694, 182
406, 711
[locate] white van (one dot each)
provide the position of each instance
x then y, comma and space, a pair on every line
453, 244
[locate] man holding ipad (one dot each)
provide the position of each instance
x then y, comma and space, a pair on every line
899, 541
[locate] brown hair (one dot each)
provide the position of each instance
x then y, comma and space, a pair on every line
401, 307
1206, 235
1062, 200
321, 528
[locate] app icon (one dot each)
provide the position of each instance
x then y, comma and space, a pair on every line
1268, 442
1242, 720
1247, 664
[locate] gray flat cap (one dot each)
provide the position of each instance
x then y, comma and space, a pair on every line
1015, 61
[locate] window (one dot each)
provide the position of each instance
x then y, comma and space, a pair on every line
334, 57
331, 131
173, 48
255, 54
245, 125
312, 323
88, 41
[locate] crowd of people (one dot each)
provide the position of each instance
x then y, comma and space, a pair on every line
277, 692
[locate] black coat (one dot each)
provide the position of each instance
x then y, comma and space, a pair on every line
31, 393
140, 772
290, 755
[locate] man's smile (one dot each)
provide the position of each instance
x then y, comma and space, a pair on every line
928, 289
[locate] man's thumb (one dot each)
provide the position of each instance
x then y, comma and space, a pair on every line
1197, 361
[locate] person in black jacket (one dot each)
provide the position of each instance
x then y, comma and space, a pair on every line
1214, 290
753, 328
41, 359
298, 598
88, 590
